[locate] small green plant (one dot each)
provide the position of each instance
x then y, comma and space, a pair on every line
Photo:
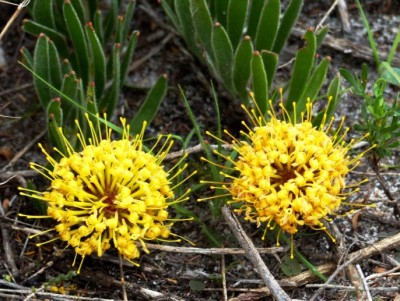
241, 41
386, 70
380, 121
83, 54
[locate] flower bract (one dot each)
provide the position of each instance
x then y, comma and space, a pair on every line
112, 193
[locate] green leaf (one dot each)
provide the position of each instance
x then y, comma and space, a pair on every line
223, 54
98, 26
128, 55
171, 14
320, 35
287, 23
237, 11
333, 101
254, 16
290, 267
54, 122
149, 108
130, 9
78, 7
202, 23
54, 65
242, 66
393, 49
36, 29
389, 73
370, 34
268, 25
108, 103
221, 11
111, 20
70, 90
98, 63
259, 83
41, 67
313, 86
270, 60
27, 57
301, 70
42, 12
186, 27
79, 43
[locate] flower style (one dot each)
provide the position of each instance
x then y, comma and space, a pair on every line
112, 193
288, 174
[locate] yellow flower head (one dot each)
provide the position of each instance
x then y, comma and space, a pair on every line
112, 193
288, 174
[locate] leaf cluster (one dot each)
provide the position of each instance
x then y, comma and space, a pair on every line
380, 120
80, 61
241, 43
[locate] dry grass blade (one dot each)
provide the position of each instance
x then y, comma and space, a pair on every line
14, 16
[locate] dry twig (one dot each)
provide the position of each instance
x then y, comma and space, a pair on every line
254, 256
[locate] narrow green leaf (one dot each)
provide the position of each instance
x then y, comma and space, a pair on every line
301, 69
42, 13
54, 65
223, 53
149, 108
108, 103
54, 122
98, 63
393, 49
70, 90
254, 16
259, 83
36, 29
270, 60
98, 26
41, 67
333, 101
389, 73
27, 57
92, 102
313, 85
349, 78
288, 20
221, 11
111, 21
93, 6
202, 23
77, 35
130, 9
78, 7
128, 55
237, 12
268, 25
370, 34
75, 103
320, 35
119, 31
186, 27
242, 67
171, 14
66, 67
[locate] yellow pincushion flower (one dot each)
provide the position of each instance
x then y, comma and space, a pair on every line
112, 193
288, 174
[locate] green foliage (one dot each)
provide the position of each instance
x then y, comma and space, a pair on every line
83, 54
380, 120
241, 41
386, 70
